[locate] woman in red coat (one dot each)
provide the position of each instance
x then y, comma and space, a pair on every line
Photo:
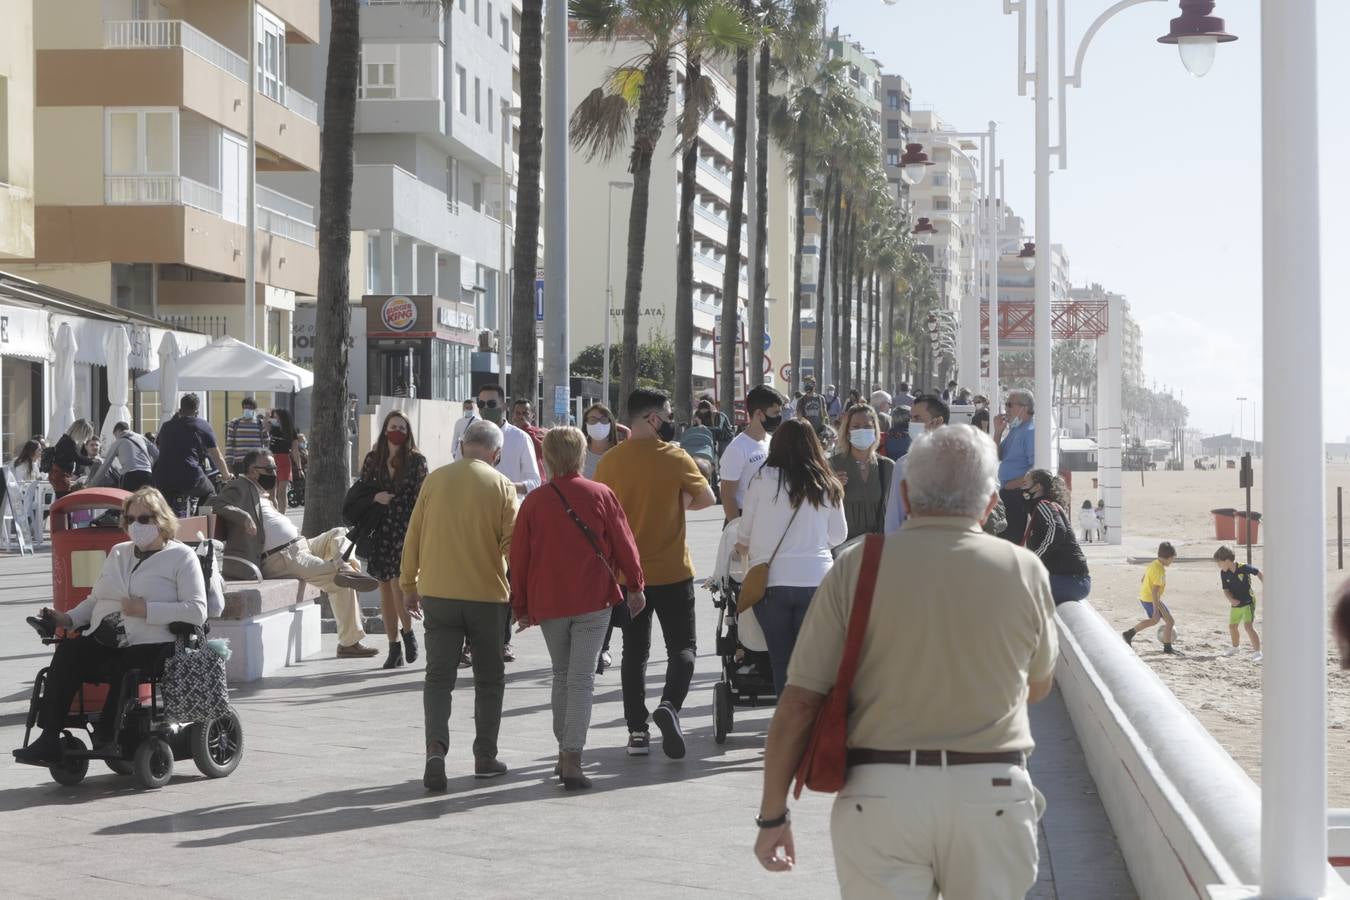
571, 543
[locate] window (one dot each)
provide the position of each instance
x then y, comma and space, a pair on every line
893, 129
452, 184
271, 55
372, 263
491, 112
893, 100
477, 195
476, 5
142, 142
478, 100
462, 7
489, 19
378, 82
941, 203
506, 34
462, 85
893, 158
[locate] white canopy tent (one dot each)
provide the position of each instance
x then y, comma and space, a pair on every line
226, 364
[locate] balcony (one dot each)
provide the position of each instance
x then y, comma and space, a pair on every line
277, 214
16, 221
156, 34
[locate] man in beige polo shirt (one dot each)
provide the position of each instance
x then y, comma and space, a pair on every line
961, 638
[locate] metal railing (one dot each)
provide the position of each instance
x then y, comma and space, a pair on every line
140, 34
215, 326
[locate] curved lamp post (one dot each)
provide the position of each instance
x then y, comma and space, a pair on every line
924, 229
914, 164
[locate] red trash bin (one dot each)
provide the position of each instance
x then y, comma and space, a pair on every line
1225, 525
1248, 530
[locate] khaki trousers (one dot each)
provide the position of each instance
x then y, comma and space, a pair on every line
914, 833
315, 561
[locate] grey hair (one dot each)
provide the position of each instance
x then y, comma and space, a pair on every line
484, 434
950, 471
1025, 397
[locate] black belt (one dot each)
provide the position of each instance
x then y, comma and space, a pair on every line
864, 757
276, 550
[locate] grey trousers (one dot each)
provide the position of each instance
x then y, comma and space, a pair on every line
448, 623
573, 645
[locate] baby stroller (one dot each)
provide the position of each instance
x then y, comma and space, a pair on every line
295, 494
747, 676
147, 739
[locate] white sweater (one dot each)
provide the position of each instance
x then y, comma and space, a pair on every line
170, 583
804, 557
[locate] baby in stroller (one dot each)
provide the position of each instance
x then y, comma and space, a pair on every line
747, 676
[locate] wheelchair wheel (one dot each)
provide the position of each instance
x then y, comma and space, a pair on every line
70, 771
153, 763
721, 712
120, 766
218, 745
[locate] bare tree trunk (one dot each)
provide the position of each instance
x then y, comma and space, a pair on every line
795, 316
823, 283
731, 278
525, 254
684, 264
329, 463
763, 76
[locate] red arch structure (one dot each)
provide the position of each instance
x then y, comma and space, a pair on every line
1069, 319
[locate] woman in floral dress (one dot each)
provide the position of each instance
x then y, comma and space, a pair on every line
397, 469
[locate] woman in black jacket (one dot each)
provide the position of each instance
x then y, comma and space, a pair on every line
1050, 536
70, 458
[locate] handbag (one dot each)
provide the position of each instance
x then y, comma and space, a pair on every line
756, 582
824, 764
194, 685
617, 618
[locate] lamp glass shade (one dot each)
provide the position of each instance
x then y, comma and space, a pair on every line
1028, 262
1197, 53
914, 172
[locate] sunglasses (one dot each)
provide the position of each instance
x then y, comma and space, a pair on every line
139, 520
488, 404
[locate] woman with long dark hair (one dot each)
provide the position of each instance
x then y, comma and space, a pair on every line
1050, 536
865, 475
793, 517
603, 434
26, 463
397, 468
282, 445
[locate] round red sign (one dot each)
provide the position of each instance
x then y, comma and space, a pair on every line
399, 314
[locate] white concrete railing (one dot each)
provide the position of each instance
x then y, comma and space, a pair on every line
139, 34
301, 105
1182, 809
286, 217
151, 190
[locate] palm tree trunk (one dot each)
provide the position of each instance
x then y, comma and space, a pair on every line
823, 283
684, 265
525, 254
652, 104
330, 460
892, 377
847, 315
763, 75
842, 212
731, 277
795, 316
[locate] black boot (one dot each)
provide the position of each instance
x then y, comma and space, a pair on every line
395, 660
410, 643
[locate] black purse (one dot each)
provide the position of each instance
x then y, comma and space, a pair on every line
620, 615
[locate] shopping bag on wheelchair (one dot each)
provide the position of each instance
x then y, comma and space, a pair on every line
194, 684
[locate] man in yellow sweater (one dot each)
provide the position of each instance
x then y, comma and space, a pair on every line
454, 569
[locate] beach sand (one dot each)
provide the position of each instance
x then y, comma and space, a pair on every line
1224, 694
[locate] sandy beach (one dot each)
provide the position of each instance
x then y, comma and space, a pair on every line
1223, 693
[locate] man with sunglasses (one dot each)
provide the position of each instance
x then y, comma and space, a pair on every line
1017, 457
255, 530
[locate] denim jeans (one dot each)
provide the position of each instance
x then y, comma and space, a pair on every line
1070, 587
673, 604
780, 615
573, 644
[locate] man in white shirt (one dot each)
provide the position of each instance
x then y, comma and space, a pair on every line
470, 414
518, 461
747, 452
927, 414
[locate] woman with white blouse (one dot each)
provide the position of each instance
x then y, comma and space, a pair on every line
146, 584
792, 519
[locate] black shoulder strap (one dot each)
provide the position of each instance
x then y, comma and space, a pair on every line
585, 529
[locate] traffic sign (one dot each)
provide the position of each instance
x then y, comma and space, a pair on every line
767, 342
539, 295
768, 365
786, 371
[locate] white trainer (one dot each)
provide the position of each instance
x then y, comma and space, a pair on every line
1256, 657
1231, 651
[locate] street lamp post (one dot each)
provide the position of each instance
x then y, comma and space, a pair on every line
609, 279
557, 387
1242, 440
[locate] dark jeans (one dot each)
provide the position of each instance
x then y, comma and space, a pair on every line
780, 615
134, 481
177, 495
84, 659
448, 623
1065, 588
1016, 508
673, 604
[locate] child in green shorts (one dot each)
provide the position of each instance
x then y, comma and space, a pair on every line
1236, 581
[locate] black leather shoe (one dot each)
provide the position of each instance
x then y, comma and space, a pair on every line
410, 645
43, 751
395, 658
488, 768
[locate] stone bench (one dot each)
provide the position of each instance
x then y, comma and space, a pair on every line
270, 624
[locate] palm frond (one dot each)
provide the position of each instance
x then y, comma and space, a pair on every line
724, 30
597, 20
701, 104
626, 82
601, 124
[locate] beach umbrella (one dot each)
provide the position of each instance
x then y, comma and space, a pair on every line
168, 376
117, 350
63, 385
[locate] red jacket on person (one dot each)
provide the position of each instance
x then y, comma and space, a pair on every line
555, 572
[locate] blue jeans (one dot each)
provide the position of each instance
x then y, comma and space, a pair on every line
1070, 587
780, 615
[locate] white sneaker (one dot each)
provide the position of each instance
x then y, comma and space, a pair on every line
1256, 657
1231, 651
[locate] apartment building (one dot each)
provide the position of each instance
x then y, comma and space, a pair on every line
16, 129
141, 140
897, 121
1132, 349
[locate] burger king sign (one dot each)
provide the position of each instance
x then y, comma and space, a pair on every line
399, 314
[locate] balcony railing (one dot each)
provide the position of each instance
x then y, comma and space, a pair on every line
140, 34
215, 326
277, 214
301, 105
286, 217
724, 177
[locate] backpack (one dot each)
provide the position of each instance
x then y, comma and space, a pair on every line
813, 409
45, 461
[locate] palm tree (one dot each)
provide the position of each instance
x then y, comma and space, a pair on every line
525, 258
635, 99
332, 328
684, 264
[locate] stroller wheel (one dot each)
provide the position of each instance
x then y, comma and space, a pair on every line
722, 714
217, 745
153, 763
70, 771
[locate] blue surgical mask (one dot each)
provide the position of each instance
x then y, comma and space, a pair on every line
917, 430
862, 438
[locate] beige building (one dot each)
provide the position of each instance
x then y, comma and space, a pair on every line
16, 129
141, 137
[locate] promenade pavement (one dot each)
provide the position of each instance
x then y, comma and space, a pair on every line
328, 800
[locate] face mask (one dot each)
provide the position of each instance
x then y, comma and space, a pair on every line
917, 430
304, 445
267, 482
396, 438
771, 423
275, 423
599, 431
143, 535
496, 416
666, 431
468, 414
250, 414
862, 438
1028, 496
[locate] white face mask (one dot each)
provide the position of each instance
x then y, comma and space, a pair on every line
143, 535
862, 438
468, 413
917, 430
599, 431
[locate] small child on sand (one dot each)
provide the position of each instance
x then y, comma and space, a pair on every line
1236, 581
1150, 597
1087, 520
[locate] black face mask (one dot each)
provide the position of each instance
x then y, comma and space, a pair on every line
666, 431
494, 414
1029, 496
267, 482
771, 423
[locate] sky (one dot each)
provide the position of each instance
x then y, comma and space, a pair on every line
1161, 200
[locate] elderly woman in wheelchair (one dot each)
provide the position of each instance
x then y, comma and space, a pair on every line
150, 594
